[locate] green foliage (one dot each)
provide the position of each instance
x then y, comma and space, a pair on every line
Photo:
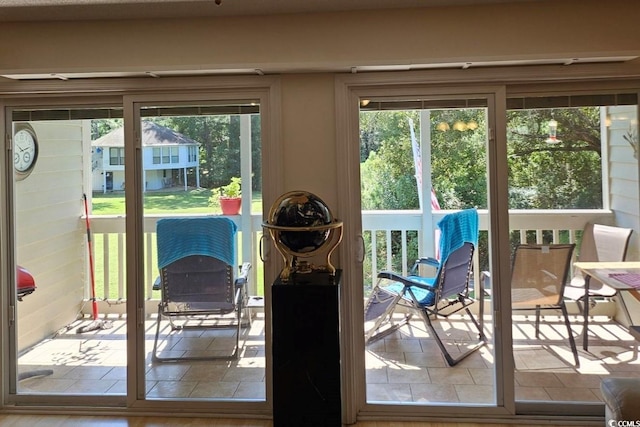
564, 175
219, 144
458, 160
541, 175
381, 254
219, 138
387, 174
231, 190
389, 165
101, 127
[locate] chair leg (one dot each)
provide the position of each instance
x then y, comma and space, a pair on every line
154, 356
239, 308
451, 361
381, 306
537, 321
579, 304
572, 341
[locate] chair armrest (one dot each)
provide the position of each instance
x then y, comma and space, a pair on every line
243, 276
431, 262
389, 275
157, 284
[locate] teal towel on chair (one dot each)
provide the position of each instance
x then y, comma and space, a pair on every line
210, 236
456, 229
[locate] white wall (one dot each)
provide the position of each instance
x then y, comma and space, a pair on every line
50, 231
321, 41
623, 174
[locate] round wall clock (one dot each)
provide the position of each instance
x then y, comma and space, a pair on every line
25, 150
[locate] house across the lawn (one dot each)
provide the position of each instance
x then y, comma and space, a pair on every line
170, 159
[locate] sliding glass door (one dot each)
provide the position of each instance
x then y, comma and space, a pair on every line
88, 185
421, 161
537, 169
195, 157
64, 340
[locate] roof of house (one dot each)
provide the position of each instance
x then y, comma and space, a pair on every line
152, 134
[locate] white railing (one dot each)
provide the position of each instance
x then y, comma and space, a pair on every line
109, 240
108, 232
533, 226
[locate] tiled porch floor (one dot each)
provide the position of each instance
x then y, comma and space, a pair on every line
95, 363
406, 366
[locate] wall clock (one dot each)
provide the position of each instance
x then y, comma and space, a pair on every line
25, 150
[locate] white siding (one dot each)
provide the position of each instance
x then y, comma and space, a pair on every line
50, 237
623, 174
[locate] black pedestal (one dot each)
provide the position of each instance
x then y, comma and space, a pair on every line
306, 351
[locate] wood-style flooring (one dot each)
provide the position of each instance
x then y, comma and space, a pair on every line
99, 421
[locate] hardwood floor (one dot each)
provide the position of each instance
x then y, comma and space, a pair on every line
99, 421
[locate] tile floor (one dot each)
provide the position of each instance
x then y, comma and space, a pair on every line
95, 363
406, 366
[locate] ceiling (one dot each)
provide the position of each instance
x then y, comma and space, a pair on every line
51, 10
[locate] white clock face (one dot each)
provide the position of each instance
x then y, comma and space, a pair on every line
25, 150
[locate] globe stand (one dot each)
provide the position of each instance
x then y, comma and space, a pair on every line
292, 262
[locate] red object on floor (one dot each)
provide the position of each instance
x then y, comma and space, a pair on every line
25, 283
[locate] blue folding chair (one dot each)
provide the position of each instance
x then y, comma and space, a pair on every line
440, 296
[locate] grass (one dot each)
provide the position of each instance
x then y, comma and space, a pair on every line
161, 202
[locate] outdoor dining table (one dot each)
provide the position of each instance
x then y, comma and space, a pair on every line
621, 276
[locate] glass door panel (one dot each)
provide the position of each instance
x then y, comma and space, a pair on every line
420, 161
196, 158
568, 166
69, 337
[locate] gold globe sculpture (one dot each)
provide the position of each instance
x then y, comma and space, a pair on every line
301, 226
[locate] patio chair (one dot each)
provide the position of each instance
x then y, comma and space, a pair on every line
600, 243
439, 297
538, 277
196, 259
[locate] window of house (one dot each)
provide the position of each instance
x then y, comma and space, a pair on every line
166, 155
116, 156
156, 155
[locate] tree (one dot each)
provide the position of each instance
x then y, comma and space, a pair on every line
219, 144
458, 158
219, 138
541, 175
387, 174
565, 175
101, 127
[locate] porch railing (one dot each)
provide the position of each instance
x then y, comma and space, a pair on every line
393, 231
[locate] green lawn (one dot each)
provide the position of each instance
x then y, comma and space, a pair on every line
191, 201
175, 202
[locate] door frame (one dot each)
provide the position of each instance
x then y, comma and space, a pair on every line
349, 90
128, 91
